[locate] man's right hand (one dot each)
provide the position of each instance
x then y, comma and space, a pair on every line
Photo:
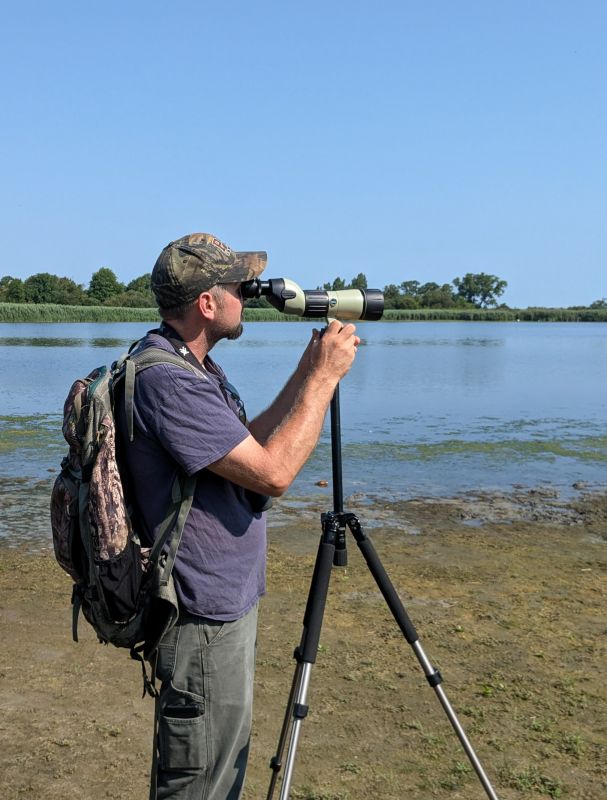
331, 352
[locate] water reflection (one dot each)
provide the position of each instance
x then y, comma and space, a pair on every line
469, 341
15, 341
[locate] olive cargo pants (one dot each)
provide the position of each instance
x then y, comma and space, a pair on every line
206, 669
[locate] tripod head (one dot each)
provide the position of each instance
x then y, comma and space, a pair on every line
286, 296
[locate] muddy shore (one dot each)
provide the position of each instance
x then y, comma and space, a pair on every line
507, 592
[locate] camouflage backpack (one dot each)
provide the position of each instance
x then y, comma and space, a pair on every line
124, 590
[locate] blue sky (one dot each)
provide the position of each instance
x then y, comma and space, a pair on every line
409, 141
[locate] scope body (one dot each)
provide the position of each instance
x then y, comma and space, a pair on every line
286, 296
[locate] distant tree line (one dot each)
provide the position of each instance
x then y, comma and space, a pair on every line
473, 290
104, 289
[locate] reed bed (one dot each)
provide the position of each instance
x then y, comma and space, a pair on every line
496, 314
47, 312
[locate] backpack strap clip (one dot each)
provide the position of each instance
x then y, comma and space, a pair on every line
76, 605
149, 684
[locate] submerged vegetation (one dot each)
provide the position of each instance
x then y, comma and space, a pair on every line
52, 312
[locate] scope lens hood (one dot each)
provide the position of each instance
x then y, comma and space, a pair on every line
374, 304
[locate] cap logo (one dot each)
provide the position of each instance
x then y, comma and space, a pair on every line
222, 246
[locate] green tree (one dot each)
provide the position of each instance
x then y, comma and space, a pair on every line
359, 282
142, 286
602, 303
391, 295
131, 299
434, 296
69, 293
40, 288
46, 288
337, 285
5, 282
410, 288
425, 291
103, 285
259, 302
480, 289
12, 290
395, 298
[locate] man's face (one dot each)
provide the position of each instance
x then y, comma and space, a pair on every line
228, 323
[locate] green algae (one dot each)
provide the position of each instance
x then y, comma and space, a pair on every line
584, 448
33, 432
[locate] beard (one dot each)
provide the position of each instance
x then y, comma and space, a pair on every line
223, 332
235, 333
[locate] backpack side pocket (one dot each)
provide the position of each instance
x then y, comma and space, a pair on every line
65, 525
120, 579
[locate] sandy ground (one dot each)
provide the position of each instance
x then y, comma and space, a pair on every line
508, 597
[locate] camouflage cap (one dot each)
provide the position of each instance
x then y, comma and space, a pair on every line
195, 263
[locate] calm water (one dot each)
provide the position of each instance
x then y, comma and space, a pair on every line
429, 408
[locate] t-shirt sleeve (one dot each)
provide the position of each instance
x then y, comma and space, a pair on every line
189, 416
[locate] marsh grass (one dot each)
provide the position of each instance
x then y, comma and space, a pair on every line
496, 314
48, 312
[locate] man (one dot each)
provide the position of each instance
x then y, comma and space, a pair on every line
195, 424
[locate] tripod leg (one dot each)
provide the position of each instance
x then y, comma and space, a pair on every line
433, 676
305, 655
276, 760
300, 711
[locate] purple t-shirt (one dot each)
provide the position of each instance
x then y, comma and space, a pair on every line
187, 421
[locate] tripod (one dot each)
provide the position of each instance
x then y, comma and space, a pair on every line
332, 551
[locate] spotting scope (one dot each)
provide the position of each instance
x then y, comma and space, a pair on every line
286, 296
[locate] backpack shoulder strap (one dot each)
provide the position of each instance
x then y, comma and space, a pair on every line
139, 360
171, 528
156, 355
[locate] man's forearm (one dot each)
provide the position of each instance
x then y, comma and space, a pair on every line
283, 437
293, 441
266, 423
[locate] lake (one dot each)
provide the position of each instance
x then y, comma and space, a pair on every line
429, 408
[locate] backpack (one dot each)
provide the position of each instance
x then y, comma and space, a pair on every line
124, 590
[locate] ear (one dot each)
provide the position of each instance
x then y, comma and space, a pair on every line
206, 305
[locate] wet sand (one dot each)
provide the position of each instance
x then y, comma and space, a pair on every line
507, 592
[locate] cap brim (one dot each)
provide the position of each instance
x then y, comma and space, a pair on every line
246, 266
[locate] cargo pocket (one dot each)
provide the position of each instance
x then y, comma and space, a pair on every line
182, 737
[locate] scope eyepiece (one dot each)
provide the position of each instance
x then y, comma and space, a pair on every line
251, 289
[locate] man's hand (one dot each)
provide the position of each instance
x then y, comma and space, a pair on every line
330, 353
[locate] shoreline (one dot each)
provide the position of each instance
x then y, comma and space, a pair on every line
471, 508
